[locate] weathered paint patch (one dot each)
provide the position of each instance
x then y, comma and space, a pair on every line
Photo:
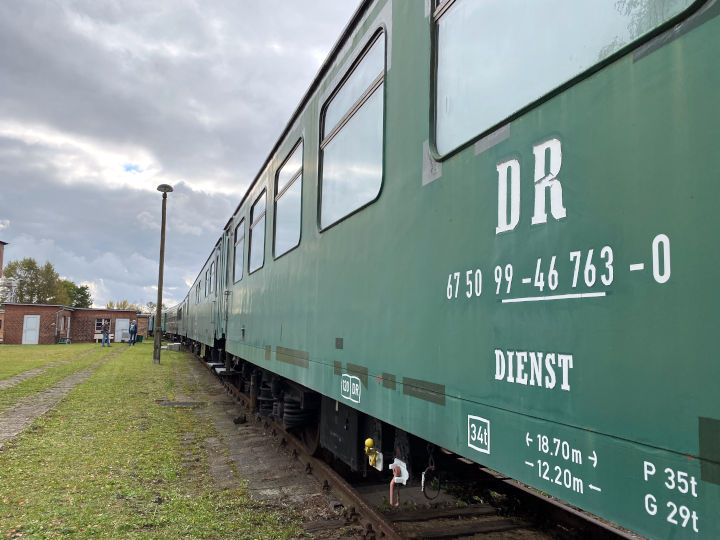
496, 137
359, 371
268, 350
707, 12
337, 367
709, 435
432, 392
293, 356
432, 170
389, 381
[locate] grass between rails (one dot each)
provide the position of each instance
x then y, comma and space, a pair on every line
84, 357
110, 462
15, 359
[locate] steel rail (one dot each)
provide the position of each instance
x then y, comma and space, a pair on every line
373, 521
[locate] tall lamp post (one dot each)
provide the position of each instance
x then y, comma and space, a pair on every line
157, 328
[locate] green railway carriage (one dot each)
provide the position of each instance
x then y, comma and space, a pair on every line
489, 226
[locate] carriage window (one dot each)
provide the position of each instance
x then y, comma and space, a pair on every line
257, 233
212, 284
288, 203
494, 57
239, 251
352, 145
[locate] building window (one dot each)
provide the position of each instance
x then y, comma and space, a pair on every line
493, 59
239, 251
288, 202
257, 233
352, 138
99, 325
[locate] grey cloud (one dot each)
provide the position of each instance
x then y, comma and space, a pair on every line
202, 89
191, 81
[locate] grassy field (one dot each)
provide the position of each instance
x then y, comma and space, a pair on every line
17, 358
68, 361
108, 461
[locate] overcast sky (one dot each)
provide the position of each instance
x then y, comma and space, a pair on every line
102, 101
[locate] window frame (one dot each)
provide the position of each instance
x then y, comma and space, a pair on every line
440, 7
279, 194
380, 33
212, 284
214, 269
98, 327
235, 246
253, 222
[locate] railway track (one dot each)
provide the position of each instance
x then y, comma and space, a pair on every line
505, 509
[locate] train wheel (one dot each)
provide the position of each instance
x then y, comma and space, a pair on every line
310, 437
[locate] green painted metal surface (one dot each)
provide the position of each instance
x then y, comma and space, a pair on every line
579, 354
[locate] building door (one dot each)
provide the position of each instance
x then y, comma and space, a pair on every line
31, 329
122, 330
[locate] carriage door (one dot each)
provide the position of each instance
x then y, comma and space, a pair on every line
31, 329
122, 330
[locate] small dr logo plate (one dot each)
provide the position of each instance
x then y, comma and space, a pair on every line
350, 388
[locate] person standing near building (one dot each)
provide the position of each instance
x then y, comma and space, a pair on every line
106, 332
133, 331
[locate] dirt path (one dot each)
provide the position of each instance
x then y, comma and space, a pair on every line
18, 417
244, 453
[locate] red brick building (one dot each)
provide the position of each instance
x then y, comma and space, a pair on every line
47, 324
143, 320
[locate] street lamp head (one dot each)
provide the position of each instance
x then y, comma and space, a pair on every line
165, 188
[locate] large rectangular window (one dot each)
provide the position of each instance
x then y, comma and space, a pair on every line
257, 233
352, 143
99, 324
288, 202
494, 57
239, 251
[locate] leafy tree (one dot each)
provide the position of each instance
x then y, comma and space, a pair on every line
65, 292
24, 273
35, 284
82, 297
123, 304
48, 285
150, 307
42, 285
77, 295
